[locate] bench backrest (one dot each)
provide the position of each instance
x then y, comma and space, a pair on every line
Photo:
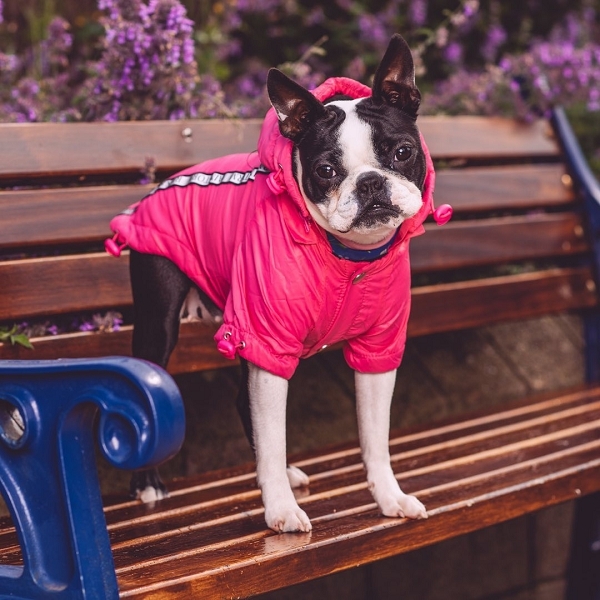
517, 246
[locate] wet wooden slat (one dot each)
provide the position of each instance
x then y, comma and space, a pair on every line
468, 244
510, 187
63, 149
53, 285
468, 137
82, 214
454, 306
536, 428
492, 467
77, 215
435, 308
205, 507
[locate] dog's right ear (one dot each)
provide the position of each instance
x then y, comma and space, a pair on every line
297, 109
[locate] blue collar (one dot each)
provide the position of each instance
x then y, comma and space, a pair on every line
346, 253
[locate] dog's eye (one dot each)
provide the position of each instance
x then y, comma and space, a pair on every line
326, 172
403, 153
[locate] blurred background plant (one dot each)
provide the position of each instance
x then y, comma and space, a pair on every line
155, 59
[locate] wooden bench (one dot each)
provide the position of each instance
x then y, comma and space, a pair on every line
522, 244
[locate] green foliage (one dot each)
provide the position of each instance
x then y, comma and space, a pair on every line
13, 336
586, 126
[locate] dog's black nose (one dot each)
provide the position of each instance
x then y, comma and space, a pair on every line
370, 184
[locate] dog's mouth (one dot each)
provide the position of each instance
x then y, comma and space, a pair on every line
374, 212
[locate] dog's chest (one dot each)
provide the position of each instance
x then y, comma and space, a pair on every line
354, 299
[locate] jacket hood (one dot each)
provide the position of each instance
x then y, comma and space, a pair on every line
275, 153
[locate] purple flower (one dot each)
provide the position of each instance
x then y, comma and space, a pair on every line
453, 53
470, 8
315, 17
417, 12
150, 72
495, 38
87, 326
372, 29
525, 85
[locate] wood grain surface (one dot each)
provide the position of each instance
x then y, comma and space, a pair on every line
208, 539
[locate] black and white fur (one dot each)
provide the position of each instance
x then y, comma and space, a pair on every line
360, 167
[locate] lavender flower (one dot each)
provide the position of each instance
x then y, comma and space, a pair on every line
372, 29
418, 12
147, 66
453, 53
147, 70
525, 85
496, 36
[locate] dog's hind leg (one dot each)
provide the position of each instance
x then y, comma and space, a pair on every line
297, 478
243, 404
159, 289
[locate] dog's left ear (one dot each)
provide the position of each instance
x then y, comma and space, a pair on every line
394, 81
297, 109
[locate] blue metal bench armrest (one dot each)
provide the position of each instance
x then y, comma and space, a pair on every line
588, 187
48, 474
580, 169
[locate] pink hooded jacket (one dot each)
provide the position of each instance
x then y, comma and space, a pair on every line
239, 228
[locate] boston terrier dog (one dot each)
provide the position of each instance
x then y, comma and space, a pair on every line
301, 245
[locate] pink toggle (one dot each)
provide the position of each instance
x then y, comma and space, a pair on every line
227, 348
275, 182
112, 247
442, 214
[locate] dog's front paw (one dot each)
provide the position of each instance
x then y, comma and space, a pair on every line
282, 512
287, 519
393, 502
403, 505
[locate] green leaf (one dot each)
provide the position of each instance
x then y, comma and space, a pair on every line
21, 339
6, 334
11, 335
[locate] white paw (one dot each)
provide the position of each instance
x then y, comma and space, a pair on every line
392, 501
403, 505
287, 519
298, 478
151, 494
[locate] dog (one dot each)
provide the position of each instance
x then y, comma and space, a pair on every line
292, 248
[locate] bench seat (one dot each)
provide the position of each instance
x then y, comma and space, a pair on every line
208, 539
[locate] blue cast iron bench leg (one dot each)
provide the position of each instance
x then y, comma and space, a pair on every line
52, 412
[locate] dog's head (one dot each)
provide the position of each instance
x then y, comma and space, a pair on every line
359, 163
